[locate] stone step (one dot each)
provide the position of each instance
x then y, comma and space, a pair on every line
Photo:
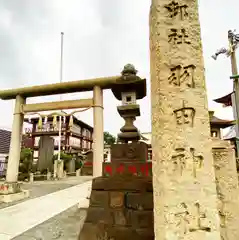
141, 184
120, 217
94, 232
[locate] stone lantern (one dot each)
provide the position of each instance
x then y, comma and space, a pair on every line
128, 89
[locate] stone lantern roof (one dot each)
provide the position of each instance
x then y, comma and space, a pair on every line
129, 82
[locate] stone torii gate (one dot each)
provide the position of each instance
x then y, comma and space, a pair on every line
21, 94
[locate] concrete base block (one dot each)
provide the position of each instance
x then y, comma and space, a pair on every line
85, 203
9, 188
7, 198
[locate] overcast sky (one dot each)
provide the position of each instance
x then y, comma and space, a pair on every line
101, 36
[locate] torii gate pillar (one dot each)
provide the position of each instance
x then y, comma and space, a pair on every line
98, 142
15, 145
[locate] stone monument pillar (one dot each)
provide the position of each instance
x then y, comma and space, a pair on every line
185, 199
227, 188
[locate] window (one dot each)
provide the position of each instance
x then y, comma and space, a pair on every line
214, 134
128, 99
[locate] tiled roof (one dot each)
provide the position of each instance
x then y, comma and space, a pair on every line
226, 100
217, 122
5, 138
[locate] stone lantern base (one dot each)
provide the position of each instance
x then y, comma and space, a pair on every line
129, 132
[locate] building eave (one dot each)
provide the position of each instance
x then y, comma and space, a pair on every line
225, 100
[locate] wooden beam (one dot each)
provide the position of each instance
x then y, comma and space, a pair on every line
59, 105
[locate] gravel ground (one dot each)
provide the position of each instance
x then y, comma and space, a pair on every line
64, 226
41, 188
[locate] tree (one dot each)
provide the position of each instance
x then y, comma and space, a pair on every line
26, 157
109, 139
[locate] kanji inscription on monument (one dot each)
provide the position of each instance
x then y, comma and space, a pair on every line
183, 159
182, 75
185, 115
178, 36
190, 219
176, 9
183, 163
197, 161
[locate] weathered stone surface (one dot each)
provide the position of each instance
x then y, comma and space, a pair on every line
139, 201
14, 197
116, 199
87, 168
99, 199
121, 217
118, 219
137, 151
10, 188
184, 179
227, 189
138, 184
96, 215
89, 231
101, 232
142, 219
145, 234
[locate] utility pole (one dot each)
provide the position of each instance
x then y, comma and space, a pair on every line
61, 74
233, 40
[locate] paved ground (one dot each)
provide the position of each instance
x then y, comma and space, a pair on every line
44, 217
41, 188
64, 226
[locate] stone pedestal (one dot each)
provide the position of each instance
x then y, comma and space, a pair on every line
60, 169
10, 192
78, 172
129, 132
227, 189
71, 166
121, 203
87, 168
48, 176
31, 177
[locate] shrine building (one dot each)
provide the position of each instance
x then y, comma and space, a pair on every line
77, 136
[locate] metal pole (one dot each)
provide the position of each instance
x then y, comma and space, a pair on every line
235, 90
233, 44
61, 74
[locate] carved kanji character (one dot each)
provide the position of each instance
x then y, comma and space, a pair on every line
199, 216
197, 161
175, 9
182, 219
179, 161
181, 75
185, 115
178, 36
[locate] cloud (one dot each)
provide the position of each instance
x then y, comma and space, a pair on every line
101, 36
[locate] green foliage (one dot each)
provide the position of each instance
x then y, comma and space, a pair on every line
78, 163
26, 157
63, 156
109, 139
26, 153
